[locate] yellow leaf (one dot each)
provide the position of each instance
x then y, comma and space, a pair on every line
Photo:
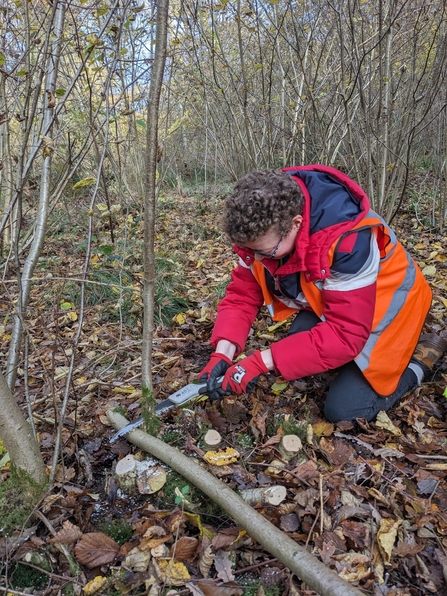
94, 259
323, 429
81, 380
180, 318
73, 316
94, 585
441, 258
440, 467
102, 207
124, 389
383, 421
276, 326
200, 263
93, 39
84, 182
196, 521
174, 573
430, 270
420, 246
222, 457
386, 536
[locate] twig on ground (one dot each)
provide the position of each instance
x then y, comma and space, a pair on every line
321, 504
251, 567
10, 591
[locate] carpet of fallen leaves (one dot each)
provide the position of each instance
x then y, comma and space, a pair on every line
368, 499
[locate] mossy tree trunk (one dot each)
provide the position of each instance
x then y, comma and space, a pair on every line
18, 438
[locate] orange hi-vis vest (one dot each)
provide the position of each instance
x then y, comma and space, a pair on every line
403, 298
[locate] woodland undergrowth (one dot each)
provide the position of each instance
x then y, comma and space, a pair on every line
368, 499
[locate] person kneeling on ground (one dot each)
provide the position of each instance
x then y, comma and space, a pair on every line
310, 246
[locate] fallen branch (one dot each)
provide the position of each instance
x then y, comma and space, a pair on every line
304, 565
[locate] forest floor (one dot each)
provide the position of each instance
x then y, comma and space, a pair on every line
368, 499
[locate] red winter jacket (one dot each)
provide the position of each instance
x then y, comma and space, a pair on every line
333, 206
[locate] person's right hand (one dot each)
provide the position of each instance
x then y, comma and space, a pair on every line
217, 366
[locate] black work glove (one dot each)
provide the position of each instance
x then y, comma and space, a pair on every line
216, 367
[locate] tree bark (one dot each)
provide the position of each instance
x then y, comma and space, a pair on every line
308, 568
44, 199
18, 438
150, 197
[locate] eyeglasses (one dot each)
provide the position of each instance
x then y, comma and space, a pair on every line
264, 254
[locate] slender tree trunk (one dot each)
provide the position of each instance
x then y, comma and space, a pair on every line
39, 234
150, 198
17, 436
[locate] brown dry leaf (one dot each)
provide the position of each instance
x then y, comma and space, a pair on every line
153, 537
95, 549
273, 440
234, 411
64, 474
442, 559
327, 551
342, 453
206, 560
172, 573
223, 566
49, 501
384, 421
184, 549
353, 566
307, 499
137, 560
386, 536
227, 537
69, 534
259, 422
326, 445
355, 531
306, 470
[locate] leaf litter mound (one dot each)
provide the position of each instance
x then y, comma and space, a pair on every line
368, 499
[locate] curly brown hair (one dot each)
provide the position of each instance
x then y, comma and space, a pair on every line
261, 201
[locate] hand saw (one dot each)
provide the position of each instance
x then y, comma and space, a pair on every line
180, 397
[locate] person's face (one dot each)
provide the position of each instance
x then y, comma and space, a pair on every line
272, 246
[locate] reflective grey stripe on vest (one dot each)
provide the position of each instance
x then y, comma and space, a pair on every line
394, 308
391, 234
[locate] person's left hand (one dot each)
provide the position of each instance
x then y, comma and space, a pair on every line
242, 376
